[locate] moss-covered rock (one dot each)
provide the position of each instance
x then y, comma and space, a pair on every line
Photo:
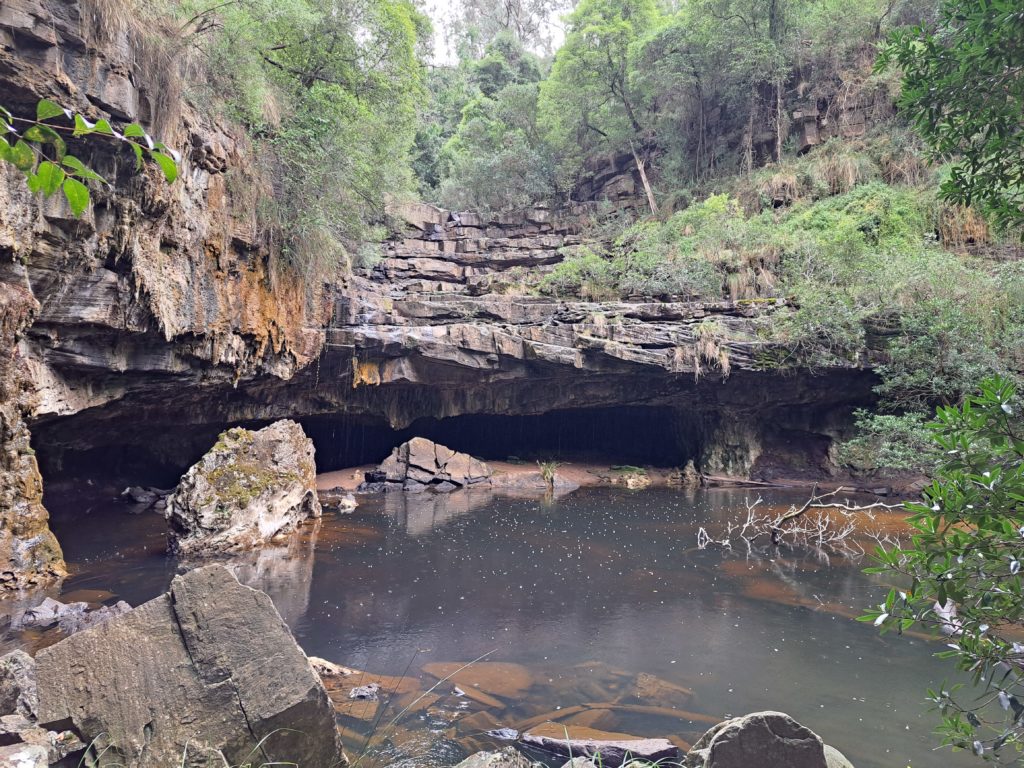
251, 486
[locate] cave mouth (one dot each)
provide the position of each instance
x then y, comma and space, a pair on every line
640, 435
637, 435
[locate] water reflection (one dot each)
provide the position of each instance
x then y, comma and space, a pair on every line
604, 611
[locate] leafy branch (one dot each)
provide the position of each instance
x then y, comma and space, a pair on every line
38, 149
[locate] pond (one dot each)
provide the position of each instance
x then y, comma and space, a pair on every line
596, 609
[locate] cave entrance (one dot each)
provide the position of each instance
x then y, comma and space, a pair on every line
654, 436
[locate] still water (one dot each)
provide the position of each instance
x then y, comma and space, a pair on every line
600, 600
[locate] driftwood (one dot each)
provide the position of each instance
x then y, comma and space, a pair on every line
722, 480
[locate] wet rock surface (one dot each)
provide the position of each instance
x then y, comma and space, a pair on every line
250, 487
18, 685
420, 464
67, 617
207, 669
503, 758
607, 748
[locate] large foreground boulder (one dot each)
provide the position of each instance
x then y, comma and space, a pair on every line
204, 672
421, 464
248, 488
764, 739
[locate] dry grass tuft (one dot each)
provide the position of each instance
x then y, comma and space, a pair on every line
960, 226
841, 170
711, 347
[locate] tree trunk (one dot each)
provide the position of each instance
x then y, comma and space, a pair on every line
778, 121
647, 184
748, 135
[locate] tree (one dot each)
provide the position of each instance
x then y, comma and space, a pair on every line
589, 102
529, 22
497, 159
38, 149
963, 567
329, 91
963, 88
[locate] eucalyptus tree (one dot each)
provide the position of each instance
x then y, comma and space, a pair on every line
590, 102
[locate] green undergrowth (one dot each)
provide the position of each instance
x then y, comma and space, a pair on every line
857, 262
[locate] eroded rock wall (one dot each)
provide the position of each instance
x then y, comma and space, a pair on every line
157, 291
29, 553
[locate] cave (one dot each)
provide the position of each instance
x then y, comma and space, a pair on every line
642, 435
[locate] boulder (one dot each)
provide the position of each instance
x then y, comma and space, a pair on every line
18, 684
421, 464
251, 486
206, 669
503, 758
836, 759
765, 739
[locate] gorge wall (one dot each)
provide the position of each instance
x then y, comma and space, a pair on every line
133, 335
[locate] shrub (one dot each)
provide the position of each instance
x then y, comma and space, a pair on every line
962, 568
890, 442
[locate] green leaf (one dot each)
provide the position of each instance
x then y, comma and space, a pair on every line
77, 195
138, 156
78, 168
167, 165
22, 156
43, 134
49, 177
102, 126
134, 131
82, 126
47, 109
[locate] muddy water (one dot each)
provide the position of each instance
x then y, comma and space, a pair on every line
596, 610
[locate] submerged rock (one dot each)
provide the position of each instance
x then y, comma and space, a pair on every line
208, 668
69, 617
420, 464
141, 499
248, 488
610, 749
503, 758
767, 739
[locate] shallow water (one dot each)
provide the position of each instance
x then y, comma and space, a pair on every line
586, 593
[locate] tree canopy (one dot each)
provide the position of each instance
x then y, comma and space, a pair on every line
963, 88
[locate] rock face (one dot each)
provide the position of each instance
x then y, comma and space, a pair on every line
766, 739
29, 553
209, 666
155, 283
420, 464
248, 488
18, 685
